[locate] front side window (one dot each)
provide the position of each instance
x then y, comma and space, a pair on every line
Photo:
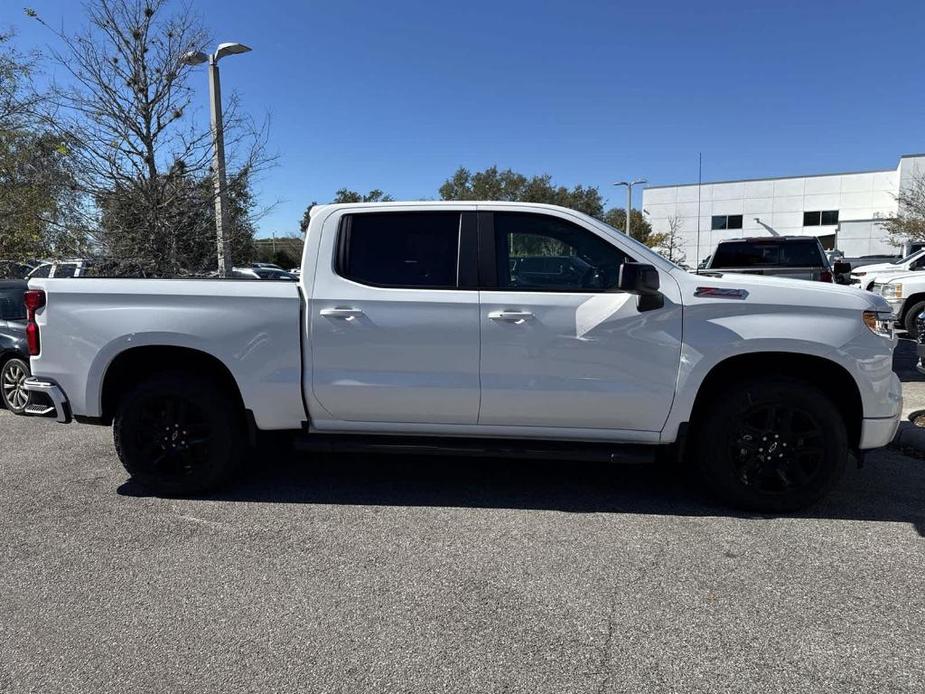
66, 270
541, 253
396, 249
41, 271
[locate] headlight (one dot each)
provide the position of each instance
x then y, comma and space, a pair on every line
891, 290
879, 323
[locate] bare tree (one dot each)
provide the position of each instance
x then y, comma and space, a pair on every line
909, 222
124, 112
671, 243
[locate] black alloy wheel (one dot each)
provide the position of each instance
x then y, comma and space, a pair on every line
179, 433
777, 448
770, 444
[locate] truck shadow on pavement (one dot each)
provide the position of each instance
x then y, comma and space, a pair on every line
888, 488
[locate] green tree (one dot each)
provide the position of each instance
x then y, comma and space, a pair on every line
346, 195
492, 184
38, 203
640, 229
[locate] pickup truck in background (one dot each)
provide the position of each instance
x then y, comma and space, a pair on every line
905, 293
793, 257
867, 275
506, 329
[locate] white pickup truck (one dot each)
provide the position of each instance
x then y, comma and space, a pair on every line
490, 328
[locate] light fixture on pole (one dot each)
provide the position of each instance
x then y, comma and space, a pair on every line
218, 145
629, 199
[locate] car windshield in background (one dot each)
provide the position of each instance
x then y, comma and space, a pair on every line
12, 306
911, 256
768, 254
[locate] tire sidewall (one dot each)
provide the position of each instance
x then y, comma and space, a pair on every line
3, 370
715, 463
909, 320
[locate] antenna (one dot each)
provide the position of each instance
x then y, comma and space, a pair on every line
699, 185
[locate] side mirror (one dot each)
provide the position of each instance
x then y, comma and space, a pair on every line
638, 278
840, 267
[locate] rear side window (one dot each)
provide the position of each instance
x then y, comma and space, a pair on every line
768, 254
394, 249
11, 304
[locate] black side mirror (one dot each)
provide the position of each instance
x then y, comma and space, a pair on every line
638, 278
840, 267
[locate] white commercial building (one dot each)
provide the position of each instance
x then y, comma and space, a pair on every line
844, 210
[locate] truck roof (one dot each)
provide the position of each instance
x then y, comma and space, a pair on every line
753, 239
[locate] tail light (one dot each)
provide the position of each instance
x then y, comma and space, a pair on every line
34, 300
825, 276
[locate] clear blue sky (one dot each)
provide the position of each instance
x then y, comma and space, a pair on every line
396, 95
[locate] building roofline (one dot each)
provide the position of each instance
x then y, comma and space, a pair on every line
772, 178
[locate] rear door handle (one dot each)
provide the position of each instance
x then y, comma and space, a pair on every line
511, 316
341, 312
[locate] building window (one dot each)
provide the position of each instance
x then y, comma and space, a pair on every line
726, 221
823, 218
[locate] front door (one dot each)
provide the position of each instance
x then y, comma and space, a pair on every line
561, 348
394, 319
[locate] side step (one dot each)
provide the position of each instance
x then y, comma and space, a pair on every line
487, 447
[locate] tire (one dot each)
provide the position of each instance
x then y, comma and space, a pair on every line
912, 330
178, 433
13, 373
746, 425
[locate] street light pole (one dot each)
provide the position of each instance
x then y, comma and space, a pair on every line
629, 200
219, 180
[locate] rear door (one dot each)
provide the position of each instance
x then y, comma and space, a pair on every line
394, 318
560, 347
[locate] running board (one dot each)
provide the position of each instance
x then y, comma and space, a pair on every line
627, 453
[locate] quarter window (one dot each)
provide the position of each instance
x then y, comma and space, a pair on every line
541, 253
394, 249
726, 221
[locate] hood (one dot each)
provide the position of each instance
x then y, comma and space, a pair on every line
784, 291
877, 267
884, 277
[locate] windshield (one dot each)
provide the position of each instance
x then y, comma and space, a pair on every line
629, 239
911, 256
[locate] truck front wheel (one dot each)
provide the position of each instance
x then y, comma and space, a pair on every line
773, 444
179, 433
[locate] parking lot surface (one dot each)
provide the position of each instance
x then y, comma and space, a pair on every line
361, 574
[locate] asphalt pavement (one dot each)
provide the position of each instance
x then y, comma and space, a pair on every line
380, 574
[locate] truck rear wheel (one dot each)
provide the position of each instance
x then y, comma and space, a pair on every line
179, 434
770, 444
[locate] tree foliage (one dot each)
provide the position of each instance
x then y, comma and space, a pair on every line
640, 229
909, 222
492, 184
137, 155
346, 195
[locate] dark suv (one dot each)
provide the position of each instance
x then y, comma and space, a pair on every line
14, 355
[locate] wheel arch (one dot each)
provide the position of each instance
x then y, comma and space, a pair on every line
909, 303
830, 377
133, 365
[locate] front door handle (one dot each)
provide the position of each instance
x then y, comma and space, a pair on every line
511, 316
341, 312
